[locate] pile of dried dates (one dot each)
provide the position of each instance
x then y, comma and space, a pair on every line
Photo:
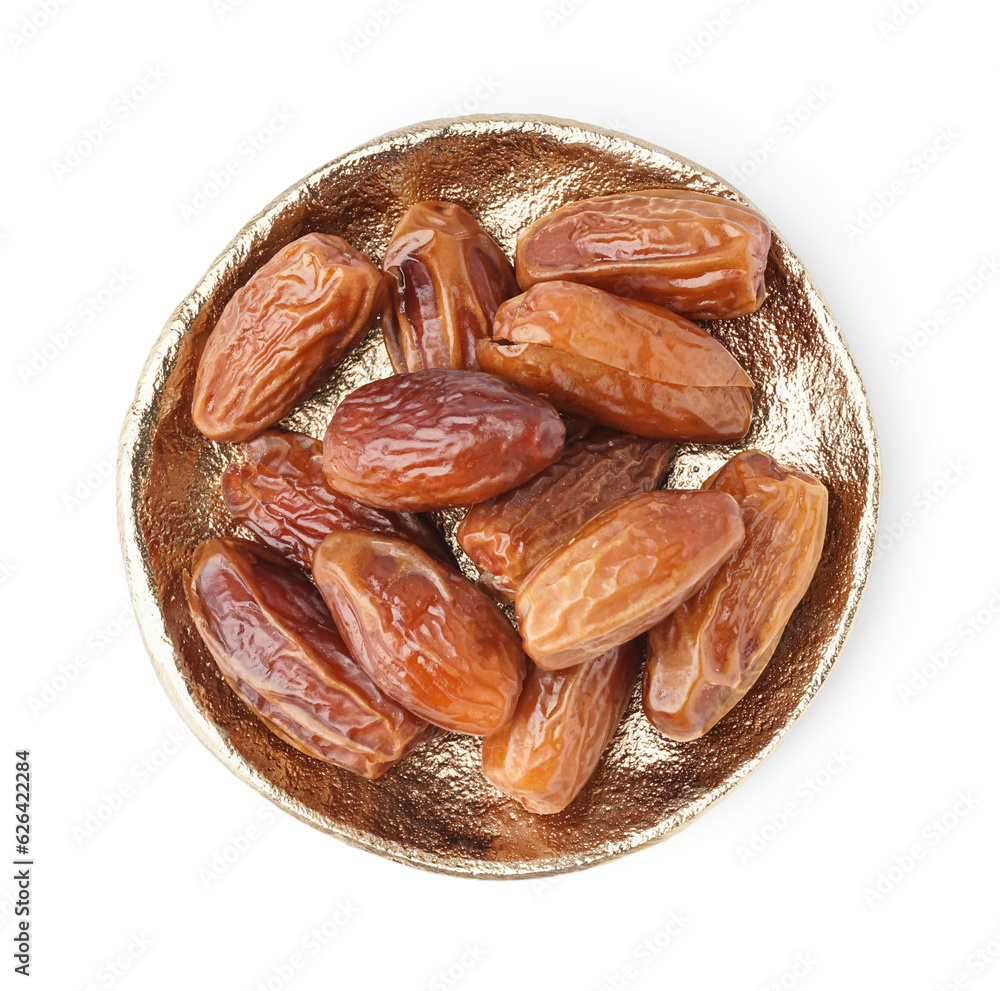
547, 397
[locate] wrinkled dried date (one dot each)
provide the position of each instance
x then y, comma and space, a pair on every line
563, 722
281, 335
607, 395
627, 334
508, 535
447, 277
422, 630
695, 253
623, 572
705, 656
624, 363
277, 646
438, 438
282, 495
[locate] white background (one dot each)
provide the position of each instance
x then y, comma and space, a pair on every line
864, 852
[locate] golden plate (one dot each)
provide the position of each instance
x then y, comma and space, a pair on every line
435, 810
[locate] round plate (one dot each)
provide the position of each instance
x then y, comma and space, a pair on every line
435, 810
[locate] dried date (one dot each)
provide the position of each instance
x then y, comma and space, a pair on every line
437, 438
282, 495
563, 722
422, 630
447, 277
706, 656
623, 572
632, 336
508, 535
281, 335
607, 395
624, 363
694, 253
278, 648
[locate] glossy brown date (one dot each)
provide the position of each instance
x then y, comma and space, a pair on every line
694, 253
422, 630
632, 336
281, 335
280, 492
276, 645
623, 572
607, 395
437, 438
563, 722
508, 535
447, 277
705, 656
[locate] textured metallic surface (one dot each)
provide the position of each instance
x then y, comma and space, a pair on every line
435, 810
